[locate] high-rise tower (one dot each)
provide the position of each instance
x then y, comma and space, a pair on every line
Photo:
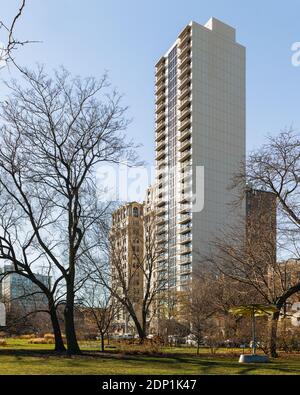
200, 125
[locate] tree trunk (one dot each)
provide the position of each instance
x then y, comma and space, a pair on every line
140, 330
273, 335
198, 346
102, 342
59, 344
72, 343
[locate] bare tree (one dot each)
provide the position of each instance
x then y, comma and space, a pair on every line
18, 248
55, 132
11, 43
133, 279
249, 255
101, 309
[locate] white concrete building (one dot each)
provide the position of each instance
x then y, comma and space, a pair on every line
200, 123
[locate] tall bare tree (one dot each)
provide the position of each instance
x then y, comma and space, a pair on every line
11, 43
248, 255
55, 132
135, 284
101, 308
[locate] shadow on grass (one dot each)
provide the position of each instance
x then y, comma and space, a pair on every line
203, 365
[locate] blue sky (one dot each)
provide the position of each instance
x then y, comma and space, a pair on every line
127, 37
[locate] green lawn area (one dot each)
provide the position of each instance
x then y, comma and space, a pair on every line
20, 357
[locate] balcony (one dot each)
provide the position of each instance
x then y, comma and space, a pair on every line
185, 113
161, 211
185, 228
186, 71
185, 144
160, 130
186, 61
184, 197
185, 82
185, 218
186, 40
186, 31
160, 107
185, 208
185, 92
160, 89
162, 257
160, 145
161, 230
160, 77
161, 239
186, 238
185, 123
160, 98
161, 220
185, 268
184, 155
186, 249
184, 134
161, 163
185, 50
186, 102
160, 65
160, 117
160, 155
162, 248
161, 201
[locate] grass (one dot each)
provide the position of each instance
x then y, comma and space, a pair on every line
19, 357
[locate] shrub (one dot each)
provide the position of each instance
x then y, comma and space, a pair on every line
48, 336
28, 336
41, 340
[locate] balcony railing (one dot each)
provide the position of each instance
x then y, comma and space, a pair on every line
185, 82
161, 220
183, 208
185, 134
185, 123
160, 145
186, 102
160, 107
186, 91
160, 65
160, 130
185, 113
185, 145
160, 98
184, 218
161, 229
186, 71
184, 155
160, 88
184, 197
186, 238
160, 116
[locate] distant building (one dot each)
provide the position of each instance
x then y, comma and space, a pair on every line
17, 290
127, 252
2, 315
261, 214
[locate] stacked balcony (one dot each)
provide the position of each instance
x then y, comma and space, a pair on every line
184, 228
186, 249
184, 208
185, 238
185, 218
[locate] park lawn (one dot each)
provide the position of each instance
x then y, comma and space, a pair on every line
19, 357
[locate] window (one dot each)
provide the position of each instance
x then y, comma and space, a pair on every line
135, 212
